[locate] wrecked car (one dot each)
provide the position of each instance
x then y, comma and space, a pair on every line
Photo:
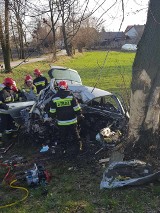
100, 108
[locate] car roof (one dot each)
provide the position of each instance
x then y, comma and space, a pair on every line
88, 93
62, 68
73, 76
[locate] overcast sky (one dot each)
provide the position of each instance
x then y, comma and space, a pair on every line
135, 13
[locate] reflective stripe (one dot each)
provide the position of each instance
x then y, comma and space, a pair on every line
76, 108
8, 99
63, 103
52, 110
69, 98
1, 102
62, 99
67, 122
40, 83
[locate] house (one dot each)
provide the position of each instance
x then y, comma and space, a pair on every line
134, 33
113, 40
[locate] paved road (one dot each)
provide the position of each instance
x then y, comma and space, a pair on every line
30, 60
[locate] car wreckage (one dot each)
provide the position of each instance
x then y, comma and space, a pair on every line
100, 108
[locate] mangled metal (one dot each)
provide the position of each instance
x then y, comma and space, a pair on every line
100, 108
128, 173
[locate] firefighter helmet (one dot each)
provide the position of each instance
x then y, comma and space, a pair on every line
63, 85
28, 78
9, 82
37, 72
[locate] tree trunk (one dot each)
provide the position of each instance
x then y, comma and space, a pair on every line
21, 42
54, 57
14, 37
67, 46
2, 40
144, 124
7, 41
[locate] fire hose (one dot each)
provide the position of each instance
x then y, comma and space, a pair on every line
12, 186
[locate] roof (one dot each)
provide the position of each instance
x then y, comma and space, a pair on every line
62, 68
112, 35
138, 28
128, 28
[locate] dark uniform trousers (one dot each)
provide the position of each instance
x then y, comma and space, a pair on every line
69, 135
6, 122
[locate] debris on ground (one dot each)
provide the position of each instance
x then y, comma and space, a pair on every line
128, 173
108, 137
38, 175
104, 160
45, 148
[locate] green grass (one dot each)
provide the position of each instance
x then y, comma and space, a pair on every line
111, 68
78, 190
108, 71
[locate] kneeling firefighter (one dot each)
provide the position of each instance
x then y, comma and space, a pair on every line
66, 109
7, 95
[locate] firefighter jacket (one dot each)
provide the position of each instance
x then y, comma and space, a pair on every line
6, 96
65, 107
40, 82
28, 89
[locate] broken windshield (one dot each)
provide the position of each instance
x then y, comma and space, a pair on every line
105, 102
67, 74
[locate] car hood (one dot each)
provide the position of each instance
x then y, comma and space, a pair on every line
86, 93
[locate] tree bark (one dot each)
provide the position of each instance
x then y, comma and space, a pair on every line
2, 40
54, 57
7, 41
144, 124
14, 37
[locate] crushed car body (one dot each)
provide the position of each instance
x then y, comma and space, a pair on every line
100, 108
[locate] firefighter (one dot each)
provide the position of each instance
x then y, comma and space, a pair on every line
40, 81
7, 95
65, 107
29, 88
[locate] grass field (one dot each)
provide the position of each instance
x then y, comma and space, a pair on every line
108, 71
75, 185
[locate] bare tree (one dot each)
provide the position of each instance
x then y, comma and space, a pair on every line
54, 17
4, 38
87, 34
144, 124
18, 8
71, 20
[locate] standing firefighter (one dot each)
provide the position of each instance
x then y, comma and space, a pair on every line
40, 81
66, 108
29, 88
